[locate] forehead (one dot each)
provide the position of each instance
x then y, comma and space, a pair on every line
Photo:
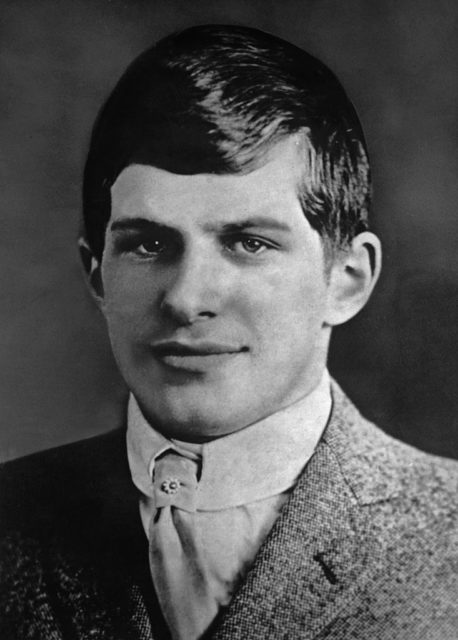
147, 191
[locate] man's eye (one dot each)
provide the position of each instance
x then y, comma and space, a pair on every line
151, 248
252, 245
163, 245
248, 245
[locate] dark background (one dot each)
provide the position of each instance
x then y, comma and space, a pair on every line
399, 63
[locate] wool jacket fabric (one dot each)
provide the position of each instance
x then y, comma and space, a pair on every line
365, 548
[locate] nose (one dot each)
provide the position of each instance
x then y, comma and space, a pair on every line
194, 290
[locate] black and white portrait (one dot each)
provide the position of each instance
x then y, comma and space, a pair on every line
229, 320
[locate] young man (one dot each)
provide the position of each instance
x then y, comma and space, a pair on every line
226, 233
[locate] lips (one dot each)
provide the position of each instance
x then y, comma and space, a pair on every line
197, 356
195, 349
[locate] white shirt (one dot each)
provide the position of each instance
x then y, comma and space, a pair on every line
245, 479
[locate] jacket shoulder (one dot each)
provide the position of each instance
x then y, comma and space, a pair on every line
380, 467
70, 540
53, 485
407, 499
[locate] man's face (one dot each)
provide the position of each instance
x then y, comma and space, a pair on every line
215, 294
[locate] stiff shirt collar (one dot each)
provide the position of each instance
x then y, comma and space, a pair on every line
257, 462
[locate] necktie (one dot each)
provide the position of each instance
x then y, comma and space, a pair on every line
177, 559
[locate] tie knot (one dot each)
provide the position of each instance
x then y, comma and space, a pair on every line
175, 481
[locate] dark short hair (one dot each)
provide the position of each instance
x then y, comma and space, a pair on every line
215, 99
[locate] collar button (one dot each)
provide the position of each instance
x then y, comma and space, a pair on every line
170, 486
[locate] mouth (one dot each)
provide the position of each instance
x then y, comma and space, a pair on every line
197, 357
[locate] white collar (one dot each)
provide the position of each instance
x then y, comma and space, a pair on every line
257, 462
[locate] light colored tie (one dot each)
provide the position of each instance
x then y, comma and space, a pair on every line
177, 559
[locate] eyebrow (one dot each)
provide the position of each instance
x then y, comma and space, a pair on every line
144, 224
256, 221
137, 224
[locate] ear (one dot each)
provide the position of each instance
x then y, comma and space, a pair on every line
92, 268
353, 276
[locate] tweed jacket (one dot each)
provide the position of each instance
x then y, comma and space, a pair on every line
365, 548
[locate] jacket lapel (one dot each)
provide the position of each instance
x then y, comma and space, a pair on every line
314, 561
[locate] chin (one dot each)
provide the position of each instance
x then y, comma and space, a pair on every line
194, 425
193, 419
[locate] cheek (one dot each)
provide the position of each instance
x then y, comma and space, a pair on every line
288, 305
129, 300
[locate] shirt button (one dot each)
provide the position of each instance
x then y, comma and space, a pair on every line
170, 485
